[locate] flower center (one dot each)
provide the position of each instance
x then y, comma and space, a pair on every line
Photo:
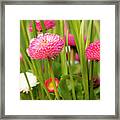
44, 42
50, 85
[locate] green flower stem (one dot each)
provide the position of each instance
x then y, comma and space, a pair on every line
44, 87
23, 69
97, 27
42, 84
40, 78
91, 67
46, 74
84, 65
73, 84
31, 94
53, 79
63, 52
43, 26
92, 97
34, 28
71, 78
36, 72
96, 70
24, 31
72, 55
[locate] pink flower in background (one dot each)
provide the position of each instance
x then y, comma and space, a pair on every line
96, 82
49, 24
71, 40
30, 27
93, 51
21, 57
85, 38
45, 46
38, 25
77, 58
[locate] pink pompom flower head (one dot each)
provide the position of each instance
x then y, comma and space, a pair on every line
46, 46
93, 51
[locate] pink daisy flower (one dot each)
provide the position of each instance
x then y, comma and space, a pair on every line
47, 23
45, 46
93, 51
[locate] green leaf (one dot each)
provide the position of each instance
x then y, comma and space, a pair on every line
75, 69
57, 69
97, 28
43, 26
34, 28
78, 32
97, 93
30, 34
79, 90
24, 39
63, 53
63, 90
24, 96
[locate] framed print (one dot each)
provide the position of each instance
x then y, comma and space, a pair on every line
60, 59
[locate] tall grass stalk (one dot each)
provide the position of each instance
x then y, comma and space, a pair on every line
31, 94
43, 27
53, 79
63, 53
30, 89
84, 66
40, 78
69, 67
78, 32
24, 31
34, 28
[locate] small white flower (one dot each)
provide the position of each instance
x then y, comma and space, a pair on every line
23, 83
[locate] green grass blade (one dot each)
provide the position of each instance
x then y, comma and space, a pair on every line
31, 94
43, 26
53, 79
69, 66
24, 31
63, 53
34, 28
84, 66
78, 32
